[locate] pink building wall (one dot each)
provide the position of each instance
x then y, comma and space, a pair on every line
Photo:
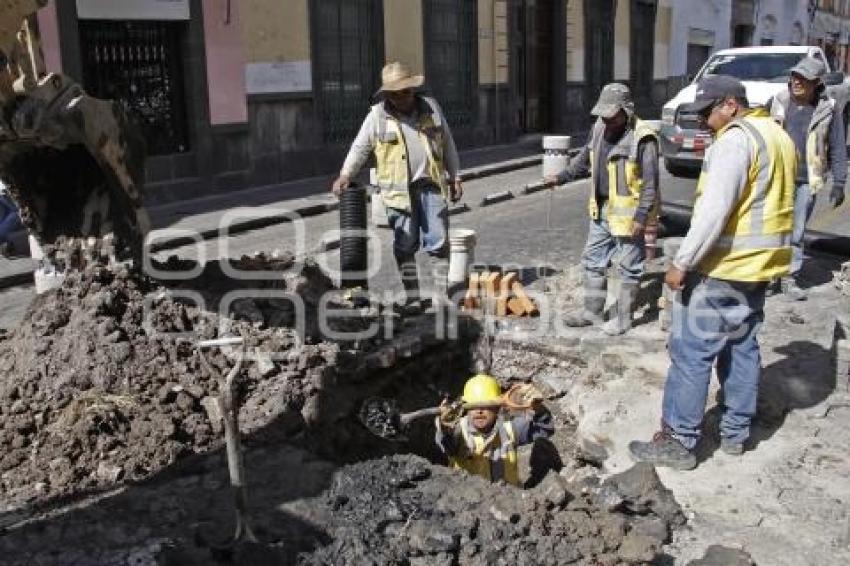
48, 27
225, 62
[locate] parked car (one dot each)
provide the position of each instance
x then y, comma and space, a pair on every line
764, 72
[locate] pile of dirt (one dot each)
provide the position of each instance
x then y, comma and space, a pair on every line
403, 510
104, 383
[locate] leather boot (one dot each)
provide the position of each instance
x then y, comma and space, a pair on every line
595, 293
622, 319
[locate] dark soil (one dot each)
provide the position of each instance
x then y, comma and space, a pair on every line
103, 381
403, 510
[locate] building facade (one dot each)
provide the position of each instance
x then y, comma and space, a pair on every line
830, 28
234, 94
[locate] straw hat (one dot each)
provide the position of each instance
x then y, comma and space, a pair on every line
398, 76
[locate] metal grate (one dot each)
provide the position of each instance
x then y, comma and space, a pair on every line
139, 64
347, 58
451, 31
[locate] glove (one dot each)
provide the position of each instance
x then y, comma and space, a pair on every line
524, 396
836, 195
450, 412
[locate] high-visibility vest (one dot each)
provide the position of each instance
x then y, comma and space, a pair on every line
625, 177
492, 457
755, 244
393, 170
817, 137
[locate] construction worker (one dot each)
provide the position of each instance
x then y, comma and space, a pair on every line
739, 240
484, 441
417, 172
621, 156
808, 115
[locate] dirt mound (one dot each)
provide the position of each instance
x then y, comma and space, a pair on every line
403, 510
98, 388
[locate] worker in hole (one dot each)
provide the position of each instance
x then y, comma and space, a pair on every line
485, 439
621, 156
417, 171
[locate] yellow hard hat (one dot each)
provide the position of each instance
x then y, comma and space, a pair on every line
481, 390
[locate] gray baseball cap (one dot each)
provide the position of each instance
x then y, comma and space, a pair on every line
810, 69
613, 98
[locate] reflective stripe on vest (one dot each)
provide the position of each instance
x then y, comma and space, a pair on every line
755, 243
494, 457
625, 179
391, 156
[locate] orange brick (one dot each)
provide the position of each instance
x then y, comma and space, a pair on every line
527, 304
491, 285
516, 307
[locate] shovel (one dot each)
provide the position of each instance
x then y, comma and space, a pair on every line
228, 404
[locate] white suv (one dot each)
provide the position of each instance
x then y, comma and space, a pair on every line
764, 72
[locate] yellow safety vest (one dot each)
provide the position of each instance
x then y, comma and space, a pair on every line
493, 457
393, 171
755, 244
625, 178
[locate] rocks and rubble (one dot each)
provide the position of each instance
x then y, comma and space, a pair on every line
402, 509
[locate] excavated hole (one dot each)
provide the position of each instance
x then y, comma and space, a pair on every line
439, 373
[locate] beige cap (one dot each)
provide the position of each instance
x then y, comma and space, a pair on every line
398, 76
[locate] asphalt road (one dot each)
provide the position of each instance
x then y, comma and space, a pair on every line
544, 229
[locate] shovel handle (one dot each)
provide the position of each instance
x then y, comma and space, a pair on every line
407, 418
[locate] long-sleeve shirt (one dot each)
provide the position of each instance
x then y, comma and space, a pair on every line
579, 167
527, 428
797, 119
728, 165
838, 151
417, 157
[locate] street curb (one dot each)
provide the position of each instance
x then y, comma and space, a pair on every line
245, 226
17, 279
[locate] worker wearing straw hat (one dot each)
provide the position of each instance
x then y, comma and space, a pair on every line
417, 172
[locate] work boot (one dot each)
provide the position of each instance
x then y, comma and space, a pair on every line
439, 281
412, 304
792, 290
622, 319
663, 450
731, 447
595, 288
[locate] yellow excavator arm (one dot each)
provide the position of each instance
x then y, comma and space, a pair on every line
74, 164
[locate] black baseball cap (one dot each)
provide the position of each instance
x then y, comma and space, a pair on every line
712, 89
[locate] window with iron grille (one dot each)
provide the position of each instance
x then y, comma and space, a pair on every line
139, 63
451, 31
348, 45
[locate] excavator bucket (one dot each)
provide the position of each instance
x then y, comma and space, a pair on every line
73, 163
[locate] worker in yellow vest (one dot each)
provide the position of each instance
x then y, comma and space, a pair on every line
484, 441
417, 172
621, 156
739, 240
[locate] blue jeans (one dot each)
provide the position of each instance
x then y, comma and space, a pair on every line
804, 203
602, 248
10, 221
716, 320
426, 225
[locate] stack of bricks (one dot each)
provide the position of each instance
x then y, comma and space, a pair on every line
502, 295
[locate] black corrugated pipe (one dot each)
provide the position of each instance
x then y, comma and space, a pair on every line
353, 242
677, 218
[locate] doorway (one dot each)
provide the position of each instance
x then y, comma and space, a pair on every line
533, 31
599, 54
